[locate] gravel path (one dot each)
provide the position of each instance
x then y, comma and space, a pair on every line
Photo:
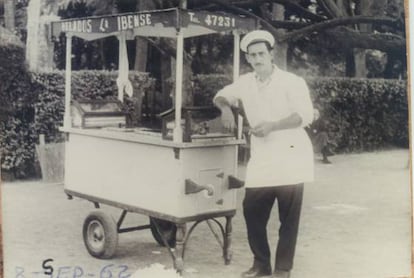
355, 223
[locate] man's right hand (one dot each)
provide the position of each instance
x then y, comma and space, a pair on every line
227, 118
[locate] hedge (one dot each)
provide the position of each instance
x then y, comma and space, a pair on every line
362, 114
85, 85
15, 85
16, 108
19, 133
358, 114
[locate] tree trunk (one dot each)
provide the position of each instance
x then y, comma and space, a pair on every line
360, 62
360, 54
141, 45
367, 8
187, 93
396, 66
371, 8
281, 49
102, 54
39, 48
141, 57
349, 63
141, 54
167, 92
9, 12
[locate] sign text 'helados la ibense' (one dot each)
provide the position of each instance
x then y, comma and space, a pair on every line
123, 22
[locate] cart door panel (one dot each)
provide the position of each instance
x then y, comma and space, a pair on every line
210, 177
209, 166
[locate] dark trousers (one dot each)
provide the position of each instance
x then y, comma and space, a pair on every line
257, 206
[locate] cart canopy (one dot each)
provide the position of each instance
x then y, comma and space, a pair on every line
158, 23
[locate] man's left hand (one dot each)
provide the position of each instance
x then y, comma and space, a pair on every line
262, 129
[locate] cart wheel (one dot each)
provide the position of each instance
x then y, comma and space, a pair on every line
168, 230
100, 235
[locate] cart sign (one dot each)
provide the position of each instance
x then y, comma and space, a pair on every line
216, 21
115, 23
165, 18
123, 22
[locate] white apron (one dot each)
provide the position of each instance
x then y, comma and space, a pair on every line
283, 157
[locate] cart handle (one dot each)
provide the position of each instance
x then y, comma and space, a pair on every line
192, 187
235, 182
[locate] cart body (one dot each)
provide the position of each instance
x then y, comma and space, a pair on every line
143, 173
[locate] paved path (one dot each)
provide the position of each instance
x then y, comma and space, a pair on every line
355, 223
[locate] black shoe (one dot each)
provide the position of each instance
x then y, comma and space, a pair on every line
255, 271
281, 274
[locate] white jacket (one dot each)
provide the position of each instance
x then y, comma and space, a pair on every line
283, 157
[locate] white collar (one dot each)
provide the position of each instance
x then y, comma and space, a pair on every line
270, 77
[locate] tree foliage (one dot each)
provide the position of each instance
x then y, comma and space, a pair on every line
329, 27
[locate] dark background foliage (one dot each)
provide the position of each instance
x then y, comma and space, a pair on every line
362, 114
42, 113
16, 109
358, 114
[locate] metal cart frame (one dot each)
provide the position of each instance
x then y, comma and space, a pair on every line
101, 231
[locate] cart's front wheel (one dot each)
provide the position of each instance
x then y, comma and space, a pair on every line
100, 235
163, 229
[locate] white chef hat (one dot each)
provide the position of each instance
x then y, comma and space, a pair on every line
256, 36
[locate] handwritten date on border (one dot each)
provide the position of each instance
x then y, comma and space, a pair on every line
51, 271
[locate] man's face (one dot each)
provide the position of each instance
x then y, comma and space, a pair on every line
259, 57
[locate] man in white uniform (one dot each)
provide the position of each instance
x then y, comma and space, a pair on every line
277, 105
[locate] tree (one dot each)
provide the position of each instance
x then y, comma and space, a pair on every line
9, 12
141, 45
304, 21
332, 25
343, 24
338, 25
39, 48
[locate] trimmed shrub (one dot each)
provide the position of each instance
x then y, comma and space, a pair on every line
85, 85
17, 146
362, 114
15, 85
41, 97
358, 114
12, 62
16, 109
206, 86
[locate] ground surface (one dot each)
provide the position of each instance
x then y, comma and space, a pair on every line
355, 223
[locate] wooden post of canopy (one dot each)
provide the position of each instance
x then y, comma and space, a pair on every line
236, 73
179, 64
178, 132
236, 55
67, 122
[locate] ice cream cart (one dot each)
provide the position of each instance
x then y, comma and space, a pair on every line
186, 173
